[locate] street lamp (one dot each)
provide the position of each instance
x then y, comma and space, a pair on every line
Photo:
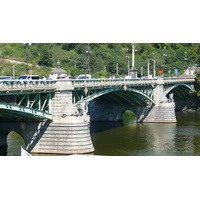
133, 71
128, 65
185, 60
88, 52
165, 58
154, 66
27, 68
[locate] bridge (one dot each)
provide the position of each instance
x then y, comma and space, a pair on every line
54, 116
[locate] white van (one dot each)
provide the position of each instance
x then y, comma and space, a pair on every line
29, 77
84, 76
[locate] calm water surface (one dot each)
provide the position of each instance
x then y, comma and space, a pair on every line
149, 139
152, 139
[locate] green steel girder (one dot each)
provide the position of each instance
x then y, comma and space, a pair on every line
181, 89
144, 90
38, 101
126, 97
109, 99
16, 111
145, 98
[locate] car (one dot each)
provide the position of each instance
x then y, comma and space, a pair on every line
29, 77
26, 79
6, 79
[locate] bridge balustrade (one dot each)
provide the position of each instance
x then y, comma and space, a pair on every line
110, 82
28, 84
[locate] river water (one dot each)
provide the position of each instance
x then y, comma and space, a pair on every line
136, 139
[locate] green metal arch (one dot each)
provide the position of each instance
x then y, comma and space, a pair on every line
103, 92
174, 86
12, 111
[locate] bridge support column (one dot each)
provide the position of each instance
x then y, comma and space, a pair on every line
162, 111
69, 133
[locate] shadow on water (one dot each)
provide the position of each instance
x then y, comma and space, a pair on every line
96, 127
128, 118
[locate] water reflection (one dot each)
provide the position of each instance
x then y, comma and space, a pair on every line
152, 139
160, 138
148, 139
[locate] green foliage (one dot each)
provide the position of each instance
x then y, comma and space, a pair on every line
100, 74
103, 56
128, 117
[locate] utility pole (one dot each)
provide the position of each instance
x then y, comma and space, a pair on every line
27, 68
148, 69
117, 69
13, 71
154, 66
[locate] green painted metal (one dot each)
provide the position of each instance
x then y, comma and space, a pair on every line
38, 101
137, 96
17, 111
112, 91
168, 88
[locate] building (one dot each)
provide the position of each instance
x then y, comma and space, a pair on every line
58, 73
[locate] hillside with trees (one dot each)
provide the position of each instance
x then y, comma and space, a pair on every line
99, 59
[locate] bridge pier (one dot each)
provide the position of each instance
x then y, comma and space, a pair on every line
69, 133
162, 111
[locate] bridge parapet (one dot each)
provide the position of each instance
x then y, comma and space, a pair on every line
17, 85
110, 82
120, 81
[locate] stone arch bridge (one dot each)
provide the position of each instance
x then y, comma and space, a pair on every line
54, 116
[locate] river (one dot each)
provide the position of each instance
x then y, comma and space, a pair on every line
136, 139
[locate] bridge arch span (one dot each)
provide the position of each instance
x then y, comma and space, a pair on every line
180, 85
110, 104
118, 95
183, 95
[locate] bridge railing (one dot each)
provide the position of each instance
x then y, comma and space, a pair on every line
110, 82
26, 84
179, 80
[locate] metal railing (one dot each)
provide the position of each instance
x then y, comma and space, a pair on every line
120, 81
110, 82
6, 85
26, 84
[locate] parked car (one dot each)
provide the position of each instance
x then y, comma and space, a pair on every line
24, 79
29, 77
84, 76
6, 79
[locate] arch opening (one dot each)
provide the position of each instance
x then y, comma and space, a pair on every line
14, 143
183, 97
128, 117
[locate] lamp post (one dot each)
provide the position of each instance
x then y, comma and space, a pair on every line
133, 71
185, 60
165, 57
128, 65
154, 66
88, 52
27, 68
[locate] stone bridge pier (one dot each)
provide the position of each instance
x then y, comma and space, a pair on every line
162, 111
69, 133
